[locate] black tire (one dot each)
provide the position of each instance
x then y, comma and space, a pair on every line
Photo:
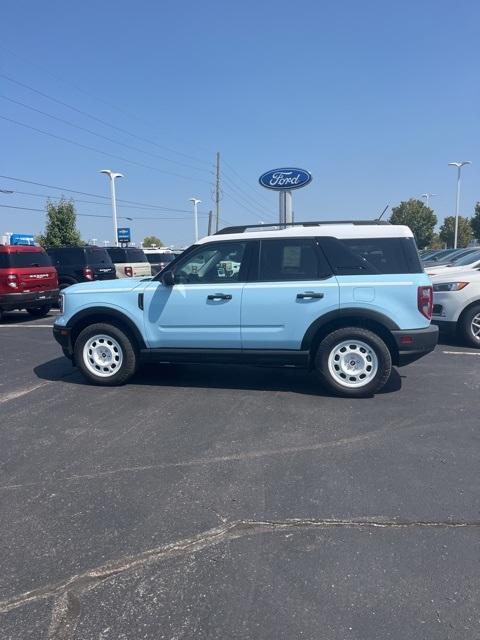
39, 312
467, 327
346, 388
129, 357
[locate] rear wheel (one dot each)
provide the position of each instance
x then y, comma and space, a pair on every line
353, 362
470, 326
39, 312
105, 354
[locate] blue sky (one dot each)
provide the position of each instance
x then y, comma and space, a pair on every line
373, 97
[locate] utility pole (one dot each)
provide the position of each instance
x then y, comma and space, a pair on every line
217, 193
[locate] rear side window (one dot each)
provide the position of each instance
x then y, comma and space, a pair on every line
372, 255
135, 255
67, 257
291, 259
97, 256
23, 259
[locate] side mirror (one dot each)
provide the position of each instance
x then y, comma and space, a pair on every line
168, 278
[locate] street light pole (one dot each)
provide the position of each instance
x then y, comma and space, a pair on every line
427, 197
196, 202
459, 166
112, 176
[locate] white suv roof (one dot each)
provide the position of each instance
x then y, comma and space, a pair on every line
351, 230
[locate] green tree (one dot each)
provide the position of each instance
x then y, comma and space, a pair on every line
420, 218
465, 232
61, 229
475, 222
436, 242
152, 241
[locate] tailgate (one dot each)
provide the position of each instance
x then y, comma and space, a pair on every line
36, 279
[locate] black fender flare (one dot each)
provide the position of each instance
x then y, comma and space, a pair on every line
105, 313
349, 312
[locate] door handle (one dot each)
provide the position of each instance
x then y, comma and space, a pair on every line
219, 296
307, 295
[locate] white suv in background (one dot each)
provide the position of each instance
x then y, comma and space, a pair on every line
456, 304
130, 262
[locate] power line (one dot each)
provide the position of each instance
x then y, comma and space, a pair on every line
103, 204
256, 214
104, 122
92, 215
105, 153
240, 178
245, 197
94, 195
99, 135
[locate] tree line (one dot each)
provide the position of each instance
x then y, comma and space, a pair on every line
422, 221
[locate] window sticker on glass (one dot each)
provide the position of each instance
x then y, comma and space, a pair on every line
292, 257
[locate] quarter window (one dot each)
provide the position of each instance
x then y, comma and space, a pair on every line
371, 255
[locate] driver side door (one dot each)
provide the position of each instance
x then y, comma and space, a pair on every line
202, 309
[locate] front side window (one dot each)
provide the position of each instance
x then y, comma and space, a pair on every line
217, 262
291, 259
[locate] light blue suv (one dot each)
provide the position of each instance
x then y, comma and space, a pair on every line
347, 299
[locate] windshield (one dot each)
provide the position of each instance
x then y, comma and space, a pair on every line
468, 259
97, 256
155, 258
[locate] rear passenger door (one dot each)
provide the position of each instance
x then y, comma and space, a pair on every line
291, 286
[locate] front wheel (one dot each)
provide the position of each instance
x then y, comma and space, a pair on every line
470, 326
105, 355
353, 362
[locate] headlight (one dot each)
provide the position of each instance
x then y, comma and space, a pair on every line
450, 286
61, 303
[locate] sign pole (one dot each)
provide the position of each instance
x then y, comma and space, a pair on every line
288, 207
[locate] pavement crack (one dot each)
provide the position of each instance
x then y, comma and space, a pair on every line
67, 593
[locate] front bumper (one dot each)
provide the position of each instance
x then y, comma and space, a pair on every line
10, 301
415, 344
63, 335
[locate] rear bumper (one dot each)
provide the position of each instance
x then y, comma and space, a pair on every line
415, 344
10, 301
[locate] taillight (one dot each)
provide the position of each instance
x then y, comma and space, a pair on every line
12, 280
88, 273
425, 301
128, 272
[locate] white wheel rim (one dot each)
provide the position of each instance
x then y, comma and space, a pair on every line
476, 326
352, 363
102, 355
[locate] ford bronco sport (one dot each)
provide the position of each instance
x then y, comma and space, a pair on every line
346, 299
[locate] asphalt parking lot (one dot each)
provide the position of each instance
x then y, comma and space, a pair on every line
227, 502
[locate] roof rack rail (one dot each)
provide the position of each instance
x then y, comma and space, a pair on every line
283, 225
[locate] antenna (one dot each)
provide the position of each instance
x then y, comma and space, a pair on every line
381, 215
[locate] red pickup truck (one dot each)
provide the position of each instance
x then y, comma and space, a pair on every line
27, 280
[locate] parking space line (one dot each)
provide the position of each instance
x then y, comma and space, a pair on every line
26, 326
23, 392
462, 353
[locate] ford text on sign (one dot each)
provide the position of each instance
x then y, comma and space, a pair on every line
285, 179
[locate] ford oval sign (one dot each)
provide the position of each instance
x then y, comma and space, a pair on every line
285, 179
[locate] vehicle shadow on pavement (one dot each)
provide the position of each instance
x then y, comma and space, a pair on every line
210, 376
